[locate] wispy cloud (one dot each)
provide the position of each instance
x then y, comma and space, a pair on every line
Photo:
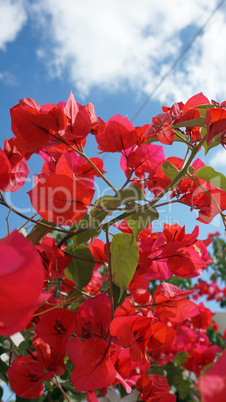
112, 44
13, 16
218, 160
8, 79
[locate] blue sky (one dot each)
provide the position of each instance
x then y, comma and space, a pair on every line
112, 54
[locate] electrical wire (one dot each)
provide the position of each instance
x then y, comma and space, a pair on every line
177, 60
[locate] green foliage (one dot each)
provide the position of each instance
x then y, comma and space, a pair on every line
141, 220
169, 170
3, 369
84, 232
219, 259
81, 267
116, 295
208, 174
199, 122
103, 207
124, 259
39, 231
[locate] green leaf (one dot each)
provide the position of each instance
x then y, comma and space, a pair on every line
3, 350
206, 106
177, 139
3, 369
24, 346
211, 176
39, 232
129, 194
86, 232
103, 207
184, 389
199, 122
181, 136
1, 393
214, 144
116, 296
124, 259
174, 373
180, 358
80, 271
107, 204
157, 370
191, 170
141, 220
169, 170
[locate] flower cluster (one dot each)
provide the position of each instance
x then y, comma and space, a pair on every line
101, 311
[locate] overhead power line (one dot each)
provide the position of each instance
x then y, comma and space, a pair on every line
178, 60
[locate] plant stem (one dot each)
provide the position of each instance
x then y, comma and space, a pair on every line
189, 144
78, 257
61, 389
181, 173
5, 204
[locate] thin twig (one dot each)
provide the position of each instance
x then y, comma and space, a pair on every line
61, 389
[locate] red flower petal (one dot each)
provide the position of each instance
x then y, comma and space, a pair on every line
21, 282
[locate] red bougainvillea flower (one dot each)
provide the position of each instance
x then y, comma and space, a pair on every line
161, 128
204, 319
70, 164
60, 199
127, 368
93, 366
13, 153
189, 111
142, 159
153, 387
21, 282
53, 258
157, 182
12, 177
186, 256
93, 317
207, 208
162, 334
138, 288
171, 303
215, 123
27, 373
213, 383
118, 134
50, 358
80, 119
99, 251
191, 192
151, 264
26, 377
5, 170
200, 357
134, 333
33, 124
56, 326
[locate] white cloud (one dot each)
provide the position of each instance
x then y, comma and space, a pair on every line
108, 44
219, 159
8, 79
12, 19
